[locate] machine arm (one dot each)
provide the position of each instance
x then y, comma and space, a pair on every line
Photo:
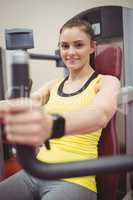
112, 164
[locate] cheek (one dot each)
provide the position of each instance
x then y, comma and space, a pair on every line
62, 54
88, 51
84, 54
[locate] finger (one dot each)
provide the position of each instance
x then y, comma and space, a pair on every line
24, 118
17, 105
20, 105
4, 107
19, 139
24, 130
13, 106
31, 135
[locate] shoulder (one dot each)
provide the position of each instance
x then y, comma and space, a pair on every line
109, 77
49, 85
110, 80
107, 82
42, 94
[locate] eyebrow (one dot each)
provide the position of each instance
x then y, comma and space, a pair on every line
76, 41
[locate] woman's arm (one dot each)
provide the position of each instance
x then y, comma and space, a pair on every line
14, 112
98, 114
42, 95
34, 126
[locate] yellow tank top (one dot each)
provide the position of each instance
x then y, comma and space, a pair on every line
72, 148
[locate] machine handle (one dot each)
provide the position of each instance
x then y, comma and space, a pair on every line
27, 154
112, 164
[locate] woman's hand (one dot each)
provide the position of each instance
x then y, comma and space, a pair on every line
26, 122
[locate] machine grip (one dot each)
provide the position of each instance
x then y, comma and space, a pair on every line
20, 74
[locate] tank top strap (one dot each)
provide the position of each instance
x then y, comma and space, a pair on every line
61, 85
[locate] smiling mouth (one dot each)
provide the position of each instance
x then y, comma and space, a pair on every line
72, 60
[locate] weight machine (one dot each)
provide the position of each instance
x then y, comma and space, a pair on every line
109, 36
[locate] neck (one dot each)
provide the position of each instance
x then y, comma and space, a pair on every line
80, 73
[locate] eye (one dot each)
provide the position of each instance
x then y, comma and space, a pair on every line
64, 46
79, 45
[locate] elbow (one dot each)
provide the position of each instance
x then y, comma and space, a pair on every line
106, 116
102, 123
104, 119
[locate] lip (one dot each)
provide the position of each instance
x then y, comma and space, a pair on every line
71, 61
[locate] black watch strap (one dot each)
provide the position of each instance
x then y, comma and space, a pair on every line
58, 128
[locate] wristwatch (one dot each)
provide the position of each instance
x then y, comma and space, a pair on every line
58, 128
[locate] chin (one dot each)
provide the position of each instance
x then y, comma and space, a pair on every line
73, 66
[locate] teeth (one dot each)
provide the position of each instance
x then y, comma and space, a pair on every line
72, 59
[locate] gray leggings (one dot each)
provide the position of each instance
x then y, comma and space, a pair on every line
22, 186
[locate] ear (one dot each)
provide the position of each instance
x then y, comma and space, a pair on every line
92, 47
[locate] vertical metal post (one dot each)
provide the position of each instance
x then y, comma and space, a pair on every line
128, 47
1, 97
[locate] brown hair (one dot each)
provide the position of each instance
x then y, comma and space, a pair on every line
83, 24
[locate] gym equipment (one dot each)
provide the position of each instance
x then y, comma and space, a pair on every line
19, 38
27, 155
119, 39
16, 39
113, 33
1, 97
112, 44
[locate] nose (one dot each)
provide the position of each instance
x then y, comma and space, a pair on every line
71, 50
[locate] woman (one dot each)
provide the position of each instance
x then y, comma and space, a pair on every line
78, 106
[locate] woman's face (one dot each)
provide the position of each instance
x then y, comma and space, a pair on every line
75, 48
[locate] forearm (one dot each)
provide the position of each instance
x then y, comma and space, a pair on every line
87, 120
99, 113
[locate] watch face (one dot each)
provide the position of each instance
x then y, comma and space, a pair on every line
57, 117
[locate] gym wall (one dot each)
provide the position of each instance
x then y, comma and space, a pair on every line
46, 18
